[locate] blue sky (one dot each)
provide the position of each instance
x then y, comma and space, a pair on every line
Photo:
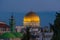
45, 17
45, 9
27, 5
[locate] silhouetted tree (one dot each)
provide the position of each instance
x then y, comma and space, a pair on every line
56, 27
27, 34
24, 37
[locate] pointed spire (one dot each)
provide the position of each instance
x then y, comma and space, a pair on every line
12, 24
12, 16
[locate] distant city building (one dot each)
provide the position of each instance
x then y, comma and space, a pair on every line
4, 27
30, 20
9, 32
19, 28
37, 32
46, 29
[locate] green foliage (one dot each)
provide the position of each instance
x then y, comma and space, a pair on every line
24, 37
18, 35
12, 35
27, 34
57, 20
8, 35
56, 27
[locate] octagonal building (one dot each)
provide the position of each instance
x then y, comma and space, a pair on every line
31, 19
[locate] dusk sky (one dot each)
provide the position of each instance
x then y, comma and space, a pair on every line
27, 5
44, 8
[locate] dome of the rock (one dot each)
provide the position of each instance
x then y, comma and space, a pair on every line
31, 19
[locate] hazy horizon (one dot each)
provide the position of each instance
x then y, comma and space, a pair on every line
45, 17
44, 8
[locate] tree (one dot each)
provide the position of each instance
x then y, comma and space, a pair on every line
27, 35
56, 27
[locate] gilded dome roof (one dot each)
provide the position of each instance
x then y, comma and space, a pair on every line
31, 17
31, 14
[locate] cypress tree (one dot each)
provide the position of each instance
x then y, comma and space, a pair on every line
56, 27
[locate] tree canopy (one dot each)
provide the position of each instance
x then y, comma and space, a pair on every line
11, 35
56, 27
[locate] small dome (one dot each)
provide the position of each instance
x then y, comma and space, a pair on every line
3, 24
31, 17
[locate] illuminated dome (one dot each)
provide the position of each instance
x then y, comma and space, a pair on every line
31, 19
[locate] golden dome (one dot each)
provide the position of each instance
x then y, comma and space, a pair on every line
31, 17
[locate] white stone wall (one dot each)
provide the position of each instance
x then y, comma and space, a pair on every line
46, 36
19, 28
